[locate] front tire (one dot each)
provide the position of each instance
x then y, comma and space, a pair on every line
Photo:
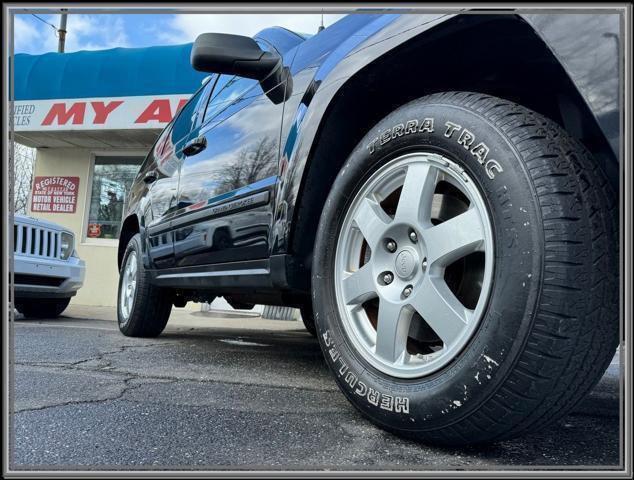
142, 308
425, 338
42, 308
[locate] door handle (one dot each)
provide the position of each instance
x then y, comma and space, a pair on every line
150, 177
195, 146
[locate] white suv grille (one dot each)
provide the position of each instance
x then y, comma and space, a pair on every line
36, 241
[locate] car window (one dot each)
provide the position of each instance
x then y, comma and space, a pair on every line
230, 88
165, 159
186, 118
156, 151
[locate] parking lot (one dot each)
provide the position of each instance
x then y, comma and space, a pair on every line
235, 393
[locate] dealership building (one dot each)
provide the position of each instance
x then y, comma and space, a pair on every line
92, 117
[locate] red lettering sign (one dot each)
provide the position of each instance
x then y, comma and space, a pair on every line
130, 112
102, 110
58, 111
54, 194
158, 110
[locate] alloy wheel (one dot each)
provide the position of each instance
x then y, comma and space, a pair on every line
414, 262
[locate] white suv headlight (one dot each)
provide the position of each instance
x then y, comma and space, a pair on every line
68, 244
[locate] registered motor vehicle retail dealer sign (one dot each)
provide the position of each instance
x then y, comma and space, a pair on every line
55, 194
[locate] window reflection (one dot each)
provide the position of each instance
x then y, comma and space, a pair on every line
111, 182
228, 89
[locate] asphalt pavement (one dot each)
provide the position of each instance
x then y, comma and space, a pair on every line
237, 393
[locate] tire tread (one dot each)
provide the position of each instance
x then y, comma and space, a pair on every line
577, 335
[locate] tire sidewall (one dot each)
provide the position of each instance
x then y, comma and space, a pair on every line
473, 376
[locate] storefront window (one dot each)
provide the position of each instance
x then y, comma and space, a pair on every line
111, 182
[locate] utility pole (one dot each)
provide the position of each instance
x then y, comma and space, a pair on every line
61, 31
321, 26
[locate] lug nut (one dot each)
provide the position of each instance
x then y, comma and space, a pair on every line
424, 264
407, 292
387, 278
413, 237
391, 246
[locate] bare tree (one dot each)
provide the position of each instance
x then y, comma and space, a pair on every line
23, 164
254, 162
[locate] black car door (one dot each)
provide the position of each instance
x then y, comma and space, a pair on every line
163, 191
227, 182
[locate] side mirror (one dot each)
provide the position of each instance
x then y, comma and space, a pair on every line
232, 54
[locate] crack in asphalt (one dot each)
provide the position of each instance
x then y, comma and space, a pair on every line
126, 388
121, 349
107, 369
95, 358
80, 366
75, 366
170, 379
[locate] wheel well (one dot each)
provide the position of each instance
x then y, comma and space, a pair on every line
129, 228
500, 55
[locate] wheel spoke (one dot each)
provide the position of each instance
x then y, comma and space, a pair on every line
391, 331
372, 221
359, 286
417, 194
126, 299
440, 308
455, 238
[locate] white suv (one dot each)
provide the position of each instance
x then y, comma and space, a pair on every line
47, 271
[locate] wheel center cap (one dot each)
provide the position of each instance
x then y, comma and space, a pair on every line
406, 263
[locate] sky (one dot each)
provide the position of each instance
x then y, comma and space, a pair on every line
101, 31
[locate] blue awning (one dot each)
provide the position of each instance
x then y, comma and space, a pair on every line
118, 72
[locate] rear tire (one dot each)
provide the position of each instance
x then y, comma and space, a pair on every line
549, 327
142, 308
42, 308
308, 319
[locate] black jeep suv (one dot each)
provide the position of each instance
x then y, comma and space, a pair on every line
436, 193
